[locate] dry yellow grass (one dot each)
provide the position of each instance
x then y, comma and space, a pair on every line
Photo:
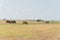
30, 31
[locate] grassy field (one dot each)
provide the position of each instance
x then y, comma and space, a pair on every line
29, 31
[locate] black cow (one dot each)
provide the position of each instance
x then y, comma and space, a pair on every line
10, 21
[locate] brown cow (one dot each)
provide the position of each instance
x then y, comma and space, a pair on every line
24, 22
47, 22
10, 21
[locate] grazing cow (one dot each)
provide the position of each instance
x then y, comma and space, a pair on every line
38, 20
47, 22
10, 21
24, 22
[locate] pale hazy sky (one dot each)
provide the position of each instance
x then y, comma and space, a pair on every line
30, 9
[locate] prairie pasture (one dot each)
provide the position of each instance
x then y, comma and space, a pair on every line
29, 31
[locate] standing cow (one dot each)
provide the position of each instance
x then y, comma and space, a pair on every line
10, 21
24, 22
47, 22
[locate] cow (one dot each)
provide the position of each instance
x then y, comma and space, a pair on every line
47, 22
24, 22
11, 21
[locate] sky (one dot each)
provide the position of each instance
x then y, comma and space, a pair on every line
30, 9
